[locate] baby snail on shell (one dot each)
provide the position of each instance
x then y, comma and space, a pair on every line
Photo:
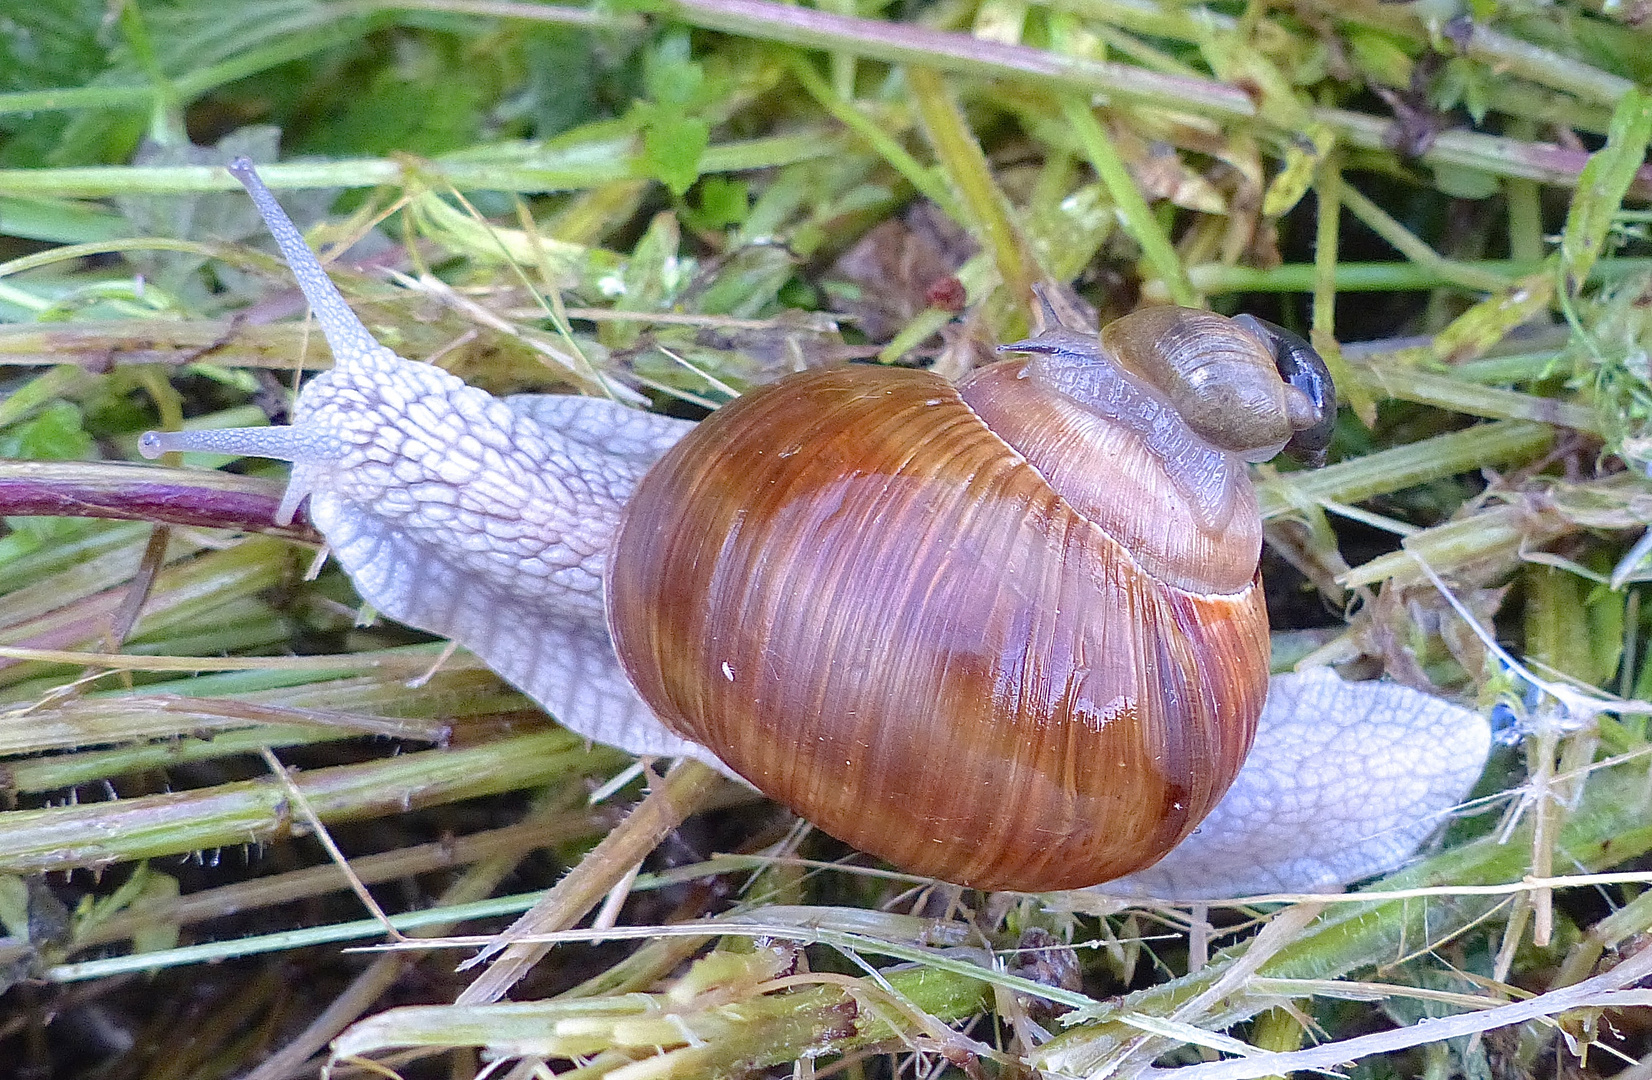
1008, 634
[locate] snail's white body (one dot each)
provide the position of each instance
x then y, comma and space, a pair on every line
488, 521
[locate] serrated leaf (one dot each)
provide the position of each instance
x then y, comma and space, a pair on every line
1302, 158
670, 76
1602, 185
723, 202
672, 145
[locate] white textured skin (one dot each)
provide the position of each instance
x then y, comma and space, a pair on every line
461, 514
488, 522
1344, 781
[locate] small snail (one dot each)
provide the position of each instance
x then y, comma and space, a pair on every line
1008, 634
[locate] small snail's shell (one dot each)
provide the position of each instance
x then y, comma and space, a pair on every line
1221, 379
877, 611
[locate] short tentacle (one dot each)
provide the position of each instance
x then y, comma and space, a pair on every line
280, 443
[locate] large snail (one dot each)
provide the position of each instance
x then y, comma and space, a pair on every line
1007, 634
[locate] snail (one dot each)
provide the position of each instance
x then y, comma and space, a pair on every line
1008, 634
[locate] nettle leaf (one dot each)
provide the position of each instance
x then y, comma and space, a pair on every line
1381, 57
1466, 84
672, 145
674, 136
671, 76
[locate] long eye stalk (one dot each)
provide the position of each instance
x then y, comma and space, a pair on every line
346, 334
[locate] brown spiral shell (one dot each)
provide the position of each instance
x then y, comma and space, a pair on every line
882, 614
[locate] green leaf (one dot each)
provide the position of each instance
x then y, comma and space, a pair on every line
1302, 158
1490, 321
672, 145
1466, 84
723, 202
1462, 182
1380, 57
673, 137
55, 435
1602, 185
670, 77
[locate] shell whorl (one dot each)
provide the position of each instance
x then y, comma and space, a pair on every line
872, 608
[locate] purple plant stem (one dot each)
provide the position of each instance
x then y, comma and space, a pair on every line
146, 493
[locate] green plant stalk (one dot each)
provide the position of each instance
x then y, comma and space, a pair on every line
1500, 52
1502, 443
1557, 632
258, 811
505, 9
889, 149
285, 49
35, 775
284, 888
42, 584
901, 43
1488, 544
678, 794
1495, 155
587, 165
557, 167
1526, 243
755, 1031
211, 952
81, 542
167, 728
1514, 368
150, 341
182, 592
1610, 825
1136, 215
1179, 23
1467, 275
961, 53
960, 157
1212, 279
544, 824
1327, 251
1631, 919
237, 626
1402, 382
